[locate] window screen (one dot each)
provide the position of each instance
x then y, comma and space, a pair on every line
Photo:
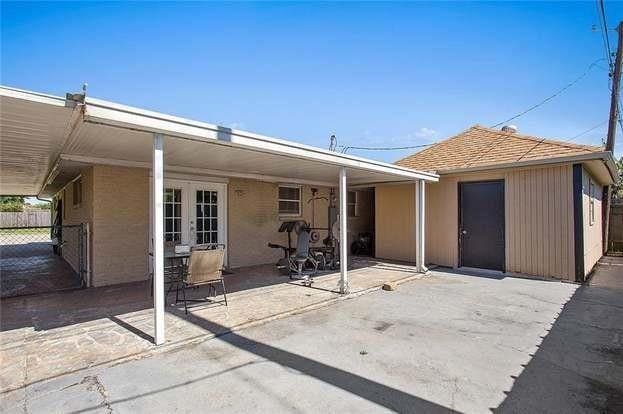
289, 200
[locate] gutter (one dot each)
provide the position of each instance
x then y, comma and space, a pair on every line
605, 156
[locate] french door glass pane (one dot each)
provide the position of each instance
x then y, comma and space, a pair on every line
173, 215
207, 216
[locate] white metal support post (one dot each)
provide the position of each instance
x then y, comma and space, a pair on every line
158, 239
420, 225
343, 233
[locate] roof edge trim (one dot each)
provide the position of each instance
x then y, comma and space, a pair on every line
606, 156
109, 113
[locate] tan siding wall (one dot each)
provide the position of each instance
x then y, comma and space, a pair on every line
395, 222
539, 220
592, 232
120, 224
253, 220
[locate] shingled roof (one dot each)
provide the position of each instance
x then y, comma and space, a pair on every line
479, 146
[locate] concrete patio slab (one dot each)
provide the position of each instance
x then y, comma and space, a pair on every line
451, 342
47, 335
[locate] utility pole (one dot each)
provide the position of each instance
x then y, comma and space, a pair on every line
612, 129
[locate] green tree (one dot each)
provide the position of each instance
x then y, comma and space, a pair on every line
617, 188
11, 203
11, 200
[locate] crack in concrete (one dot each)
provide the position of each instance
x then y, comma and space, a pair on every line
93, 383
25, 402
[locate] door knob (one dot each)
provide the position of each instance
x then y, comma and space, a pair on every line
463, 231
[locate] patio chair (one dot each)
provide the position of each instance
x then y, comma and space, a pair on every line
205, 267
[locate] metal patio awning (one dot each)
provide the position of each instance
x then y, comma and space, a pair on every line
45, 140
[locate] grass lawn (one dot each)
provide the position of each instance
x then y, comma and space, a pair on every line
32, 231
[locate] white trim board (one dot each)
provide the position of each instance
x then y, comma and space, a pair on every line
204, 173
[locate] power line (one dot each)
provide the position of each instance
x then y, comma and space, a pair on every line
587, 131
555, 94
348, 148
603, 25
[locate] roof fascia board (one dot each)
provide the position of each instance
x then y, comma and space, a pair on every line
31, 96
107, 113
606, 156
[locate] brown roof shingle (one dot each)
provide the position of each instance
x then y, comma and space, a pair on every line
479, 146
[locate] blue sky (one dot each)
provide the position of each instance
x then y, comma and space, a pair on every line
375, 74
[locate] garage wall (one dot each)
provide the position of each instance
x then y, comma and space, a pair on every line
592, 225
539, 220
395, 222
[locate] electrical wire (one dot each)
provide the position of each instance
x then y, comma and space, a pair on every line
555, 94
587, 131
603, 24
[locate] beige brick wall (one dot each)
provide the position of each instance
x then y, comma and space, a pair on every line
120, 229
254, 220
116, 205
81, 213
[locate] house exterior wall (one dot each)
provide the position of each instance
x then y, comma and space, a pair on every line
592, 227
120, 228
538, 220
395, 222
116, 206
253, 220
74, 215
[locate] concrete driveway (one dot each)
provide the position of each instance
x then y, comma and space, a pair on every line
442, 343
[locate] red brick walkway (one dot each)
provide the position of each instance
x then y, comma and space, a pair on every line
32, 269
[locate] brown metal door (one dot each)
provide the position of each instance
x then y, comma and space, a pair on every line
481, 224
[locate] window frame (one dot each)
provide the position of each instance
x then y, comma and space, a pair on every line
173, 216
77, 192
591, 202
299, 201
355, 204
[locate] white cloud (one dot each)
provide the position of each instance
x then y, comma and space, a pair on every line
425, 132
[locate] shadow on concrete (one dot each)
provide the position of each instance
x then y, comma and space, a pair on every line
59, 309
578, 366
383, 395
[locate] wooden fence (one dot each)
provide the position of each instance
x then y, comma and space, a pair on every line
615, 233
27, 218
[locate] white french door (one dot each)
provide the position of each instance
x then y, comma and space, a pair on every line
194, 213
206, 223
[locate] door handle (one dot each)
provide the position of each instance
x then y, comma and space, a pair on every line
463, 232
